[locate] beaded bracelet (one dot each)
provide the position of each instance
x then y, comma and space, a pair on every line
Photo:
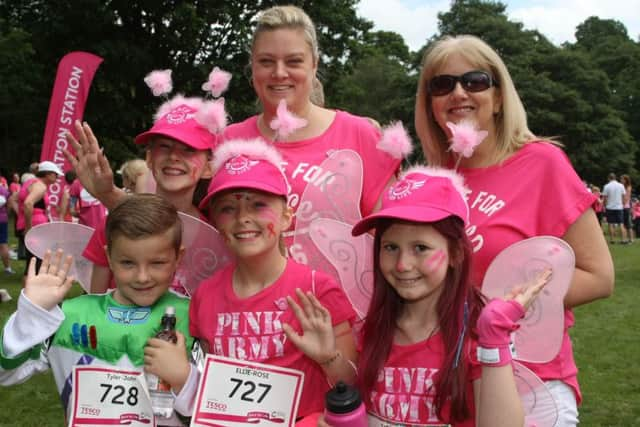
331, 359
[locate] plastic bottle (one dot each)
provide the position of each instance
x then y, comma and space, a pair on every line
161, 397
344, 407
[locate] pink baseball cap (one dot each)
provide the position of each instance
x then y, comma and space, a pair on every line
176, 119
422, 194
250, 164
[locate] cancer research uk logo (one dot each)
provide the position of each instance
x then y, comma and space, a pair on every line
239, 165
180, 115
404, 188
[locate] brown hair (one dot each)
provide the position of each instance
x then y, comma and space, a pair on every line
141, 216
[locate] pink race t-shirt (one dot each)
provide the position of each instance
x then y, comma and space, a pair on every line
535, 192
90, 211
251, 328
39, 214
404, 391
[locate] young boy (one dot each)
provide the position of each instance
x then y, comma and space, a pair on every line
144, 236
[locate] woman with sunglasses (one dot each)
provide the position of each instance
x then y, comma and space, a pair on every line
520, 185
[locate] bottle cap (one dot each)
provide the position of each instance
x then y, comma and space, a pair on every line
342, 399
170, 311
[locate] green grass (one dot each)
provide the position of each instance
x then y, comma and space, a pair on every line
605, 339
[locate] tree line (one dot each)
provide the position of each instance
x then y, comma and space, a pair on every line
586, 94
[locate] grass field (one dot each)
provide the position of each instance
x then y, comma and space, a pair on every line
606, 344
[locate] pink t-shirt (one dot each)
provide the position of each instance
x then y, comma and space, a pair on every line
90, 211
302, 158
39, 215
94, 251
404, 391
251, 328
535, 192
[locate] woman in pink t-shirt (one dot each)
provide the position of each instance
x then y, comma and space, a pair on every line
520, 186
284, 63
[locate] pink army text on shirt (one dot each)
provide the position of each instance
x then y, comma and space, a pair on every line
251, 328
404, 391
535, 192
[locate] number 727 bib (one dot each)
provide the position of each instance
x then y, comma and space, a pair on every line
236, 392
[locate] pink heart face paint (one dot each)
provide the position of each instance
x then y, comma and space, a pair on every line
434, 262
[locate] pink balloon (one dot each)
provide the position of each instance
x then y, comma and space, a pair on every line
205, 252
68, 236
541, 331
537, 401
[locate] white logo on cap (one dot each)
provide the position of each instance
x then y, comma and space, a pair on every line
239, 165
404, 188
180, 115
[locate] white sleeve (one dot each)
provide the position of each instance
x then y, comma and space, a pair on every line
186, 398
29, 326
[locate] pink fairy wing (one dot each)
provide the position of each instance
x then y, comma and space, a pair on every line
539, 406
350, 256
68, 236
205, 252
326, 213
540, 334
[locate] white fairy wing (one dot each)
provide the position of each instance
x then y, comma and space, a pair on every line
540, 409
324, 219
541, 331
72, 238
205, 252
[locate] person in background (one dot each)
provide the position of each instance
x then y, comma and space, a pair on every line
33, 202
464, 82
598, 205
613, 193
84, 206
134, 175
4, 229
627, 221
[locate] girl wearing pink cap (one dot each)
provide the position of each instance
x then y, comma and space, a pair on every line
178, 148
246, 202
431, 354
520, 185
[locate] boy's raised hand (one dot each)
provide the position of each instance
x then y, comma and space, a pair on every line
168, 361
47, 287
317, 341
526, 293
90, 164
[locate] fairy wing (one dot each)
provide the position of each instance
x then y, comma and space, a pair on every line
541, 331
350, 256
205, 252
68, 236
537, 401
324, 219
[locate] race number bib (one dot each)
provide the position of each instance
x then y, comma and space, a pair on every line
379, 422
236, 392
109, 396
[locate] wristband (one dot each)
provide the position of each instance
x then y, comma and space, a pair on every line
496, 323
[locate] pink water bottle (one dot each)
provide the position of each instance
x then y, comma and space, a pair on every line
344, 407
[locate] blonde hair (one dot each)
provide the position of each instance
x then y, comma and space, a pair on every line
512, 131
290, 17
132, 169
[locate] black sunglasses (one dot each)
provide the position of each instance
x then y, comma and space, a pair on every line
472, 81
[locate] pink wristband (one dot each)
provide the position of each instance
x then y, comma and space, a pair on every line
495, 324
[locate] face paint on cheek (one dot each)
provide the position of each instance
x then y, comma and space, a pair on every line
435, 261
271, 229
196, 164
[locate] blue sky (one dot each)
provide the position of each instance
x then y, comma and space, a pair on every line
416, 20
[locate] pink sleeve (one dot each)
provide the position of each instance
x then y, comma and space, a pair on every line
565, 196
94, 251
379, 168
331, 296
